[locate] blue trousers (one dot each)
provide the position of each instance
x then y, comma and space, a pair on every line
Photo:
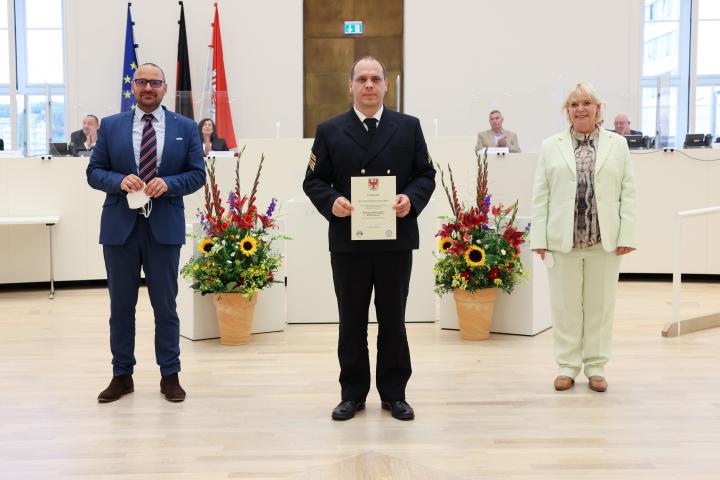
160, 263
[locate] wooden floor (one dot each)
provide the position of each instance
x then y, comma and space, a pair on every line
484, 409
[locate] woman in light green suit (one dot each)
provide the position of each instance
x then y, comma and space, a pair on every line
583, 221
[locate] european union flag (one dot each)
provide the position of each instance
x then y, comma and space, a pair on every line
130, 63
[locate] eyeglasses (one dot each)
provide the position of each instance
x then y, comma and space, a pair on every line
142, 83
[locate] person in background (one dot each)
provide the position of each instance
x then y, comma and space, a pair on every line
622, 125
497, 136
210, 140
147, 152
583, 220
86, 137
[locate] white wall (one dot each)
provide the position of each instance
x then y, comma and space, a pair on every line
462, 59
262, 43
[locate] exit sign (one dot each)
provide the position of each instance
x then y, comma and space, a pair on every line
354, 27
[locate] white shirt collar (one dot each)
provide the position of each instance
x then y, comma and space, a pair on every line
158, 113
362, 116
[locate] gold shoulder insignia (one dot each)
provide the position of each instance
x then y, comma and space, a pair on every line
312, 162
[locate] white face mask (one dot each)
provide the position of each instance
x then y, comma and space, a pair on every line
137, 199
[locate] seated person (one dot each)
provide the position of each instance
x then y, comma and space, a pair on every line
497, 136
85, 138
622, 125
209, 139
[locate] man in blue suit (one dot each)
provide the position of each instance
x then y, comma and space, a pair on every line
156, 153
371, 141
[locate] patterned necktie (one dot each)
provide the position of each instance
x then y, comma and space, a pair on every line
148, 150
371, 125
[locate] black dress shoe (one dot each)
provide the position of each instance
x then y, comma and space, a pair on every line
399, 409
346, 409
119, 386
170, 387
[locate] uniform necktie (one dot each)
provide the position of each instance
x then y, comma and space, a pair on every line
371, 125
148, 150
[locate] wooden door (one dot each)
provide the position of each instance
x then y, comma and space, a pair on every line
329, 53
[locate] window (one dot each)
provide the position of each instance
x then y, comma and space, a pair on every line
707, 92
668, 48
37, 26
661, 58
5, 130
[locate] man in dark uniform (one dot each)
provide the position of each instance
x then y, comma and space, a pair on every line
371, 141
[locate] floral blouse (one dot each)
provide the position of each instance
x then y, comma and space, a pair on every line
587, 229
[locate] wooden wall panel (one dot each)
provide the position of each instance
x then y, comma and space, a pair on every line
328, 53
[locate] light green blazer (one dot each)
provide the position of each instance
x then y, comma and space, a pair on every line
555, 191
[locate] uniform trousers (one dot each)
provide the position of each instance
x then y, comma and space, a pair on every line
583, 285
355, 275
160, 264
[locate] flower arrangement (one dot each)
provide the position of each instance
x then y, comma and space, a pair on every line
234, 255
479, 245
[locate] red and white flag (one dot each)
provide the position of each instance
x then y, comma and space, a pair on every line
216, 101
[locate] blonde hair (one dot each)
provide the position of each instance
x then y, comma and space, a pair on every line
584, 89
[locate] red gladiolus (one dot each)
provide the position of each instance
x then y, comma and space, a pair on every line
494, 273
514, 237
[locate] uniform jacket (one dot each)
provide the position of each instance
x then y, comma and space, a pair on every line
555, 190
344, 149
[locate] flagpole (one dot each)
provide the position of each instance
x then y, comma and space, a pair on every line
204, 107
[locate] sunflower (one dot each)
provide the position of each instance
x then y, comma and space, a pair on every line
205, 246
475, 256
445, 243
248, 245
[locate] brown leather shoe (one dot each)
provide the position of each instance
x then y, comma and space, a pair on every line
597, 383
170, 387
563, 382
119, 385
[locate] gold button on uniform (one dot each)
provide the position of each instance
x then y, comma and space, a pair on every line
388, 172
362, 171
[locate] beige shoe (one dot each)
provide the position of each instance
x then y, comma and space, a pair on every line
597, 383
563, 382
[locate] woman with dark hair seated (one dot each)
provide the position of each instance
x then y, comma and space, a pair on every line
210, 140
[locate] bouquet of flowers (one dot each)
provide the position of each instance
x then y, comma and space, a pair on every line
235, 254
479, 245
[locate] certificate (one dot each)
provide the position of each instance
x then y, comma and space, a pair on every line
373, 217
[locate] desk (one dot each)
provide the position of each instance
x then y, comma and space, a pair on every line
48, 221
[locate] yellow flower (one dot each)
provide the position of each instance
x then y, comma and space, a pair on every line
498, 282
444, 244
205, 246
248, 245
475, 256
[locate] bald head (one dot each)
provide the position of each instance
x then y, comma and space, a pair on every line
622, 124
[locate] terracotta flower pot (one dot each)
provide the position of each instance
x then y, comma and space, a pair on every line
234, 313
475, 312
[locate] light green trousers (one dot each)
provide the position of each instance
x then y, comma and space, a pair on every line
583, 283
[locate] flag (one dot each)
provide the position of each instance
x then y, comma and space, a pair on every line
183, 86
215, 102
130, 63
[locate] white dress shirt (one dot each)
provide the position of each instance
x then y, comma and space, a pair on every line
158, 124
362, 116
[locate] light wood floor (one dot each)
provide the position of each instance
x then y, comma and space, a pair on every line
484, 409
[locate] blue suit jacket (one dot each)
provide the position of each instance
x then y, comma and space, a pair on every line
181, 167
